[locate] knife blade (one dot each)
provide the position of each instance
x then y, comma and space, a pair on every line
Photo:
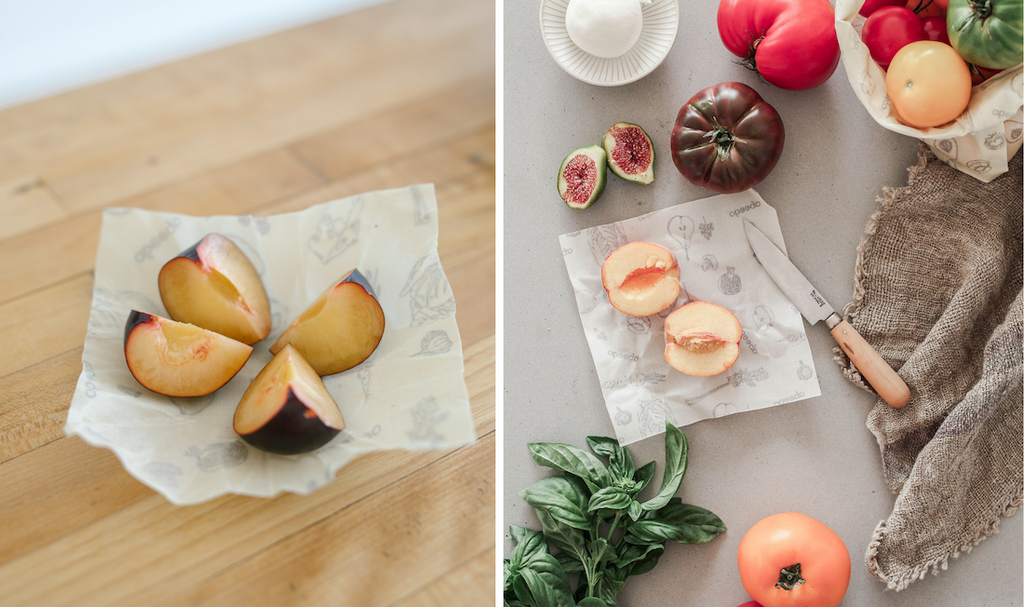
794, 285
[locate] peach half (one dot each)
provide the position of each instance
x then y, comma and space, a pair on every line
641, 278
213, 285
287, 409
702, 339
340, 329
178, 359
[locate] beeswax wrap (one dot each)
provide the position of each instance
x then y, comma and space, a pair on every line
716, 265
410, 394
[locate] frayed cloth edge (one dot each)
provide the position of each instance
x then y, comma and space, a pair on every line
919, 572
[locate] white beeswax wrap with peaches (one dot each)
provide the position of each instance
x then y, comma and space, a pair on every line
409, 394
979, 142
717, 266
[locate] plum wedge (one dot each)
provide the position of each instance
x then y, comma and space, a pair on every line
179, 359
287, 409
213, 285
340, 329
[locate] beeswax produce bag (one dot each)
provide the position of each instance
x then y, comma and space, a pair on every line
938, 294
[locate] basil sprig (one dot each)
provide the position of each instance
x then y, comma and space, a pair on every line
590, 516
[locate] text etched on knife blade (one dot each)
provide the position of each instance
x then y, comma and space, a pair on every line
817, 298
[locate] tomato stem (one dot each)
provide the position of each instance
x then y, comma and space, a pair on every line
789, 577
722, 138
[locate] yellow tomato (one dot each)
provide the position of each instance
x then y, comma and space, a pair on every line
928, 83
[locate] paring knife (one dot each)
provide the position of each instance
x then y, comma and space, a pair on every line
814, 308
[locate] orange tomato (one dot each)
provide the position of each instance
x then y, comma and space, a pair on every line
792, 560
928, 83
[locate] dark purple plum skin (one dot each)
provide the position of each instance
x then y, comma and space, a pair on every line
290, 431
135, 318
754, 123
357, 277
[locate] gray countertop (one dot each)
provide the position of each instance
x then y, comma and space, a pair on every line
835, 163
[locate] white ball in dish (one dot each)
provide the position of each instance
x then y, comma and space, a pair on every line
604, 28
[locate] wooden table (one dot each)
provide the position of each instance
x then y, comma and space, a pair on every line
397, 94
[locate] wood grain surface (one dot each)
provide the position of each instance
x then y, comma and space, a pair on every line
396, 94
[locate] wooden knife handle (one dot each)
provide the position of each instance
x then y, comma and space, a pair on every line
872, 367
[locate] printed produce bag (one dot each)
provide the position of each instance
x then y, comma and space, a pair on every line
979, 142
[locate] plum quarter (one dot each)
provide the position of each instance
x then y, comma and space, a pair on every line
213, 285
340, 329
287, 409
179, 359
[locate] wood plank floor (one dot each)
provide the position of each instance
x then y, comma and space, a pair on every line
396, 94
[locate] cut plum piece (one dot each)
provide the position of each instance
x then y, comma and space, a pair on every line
582, 175
340, 329
641, 278
213, 285
287, 409
702, 339
630, 153
179, 359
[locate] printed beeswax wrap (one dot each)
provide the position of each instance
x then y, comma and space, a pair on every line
410, 393
716, 265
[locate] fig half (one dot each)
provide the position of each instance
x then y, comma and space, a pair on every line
630, 153
582, 175
287, 409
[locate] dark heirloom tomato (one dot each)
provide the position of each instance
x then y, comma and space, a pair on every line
727, 138
791, 44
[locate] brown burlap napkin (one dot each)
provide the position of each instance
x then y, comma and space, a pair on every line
938, 294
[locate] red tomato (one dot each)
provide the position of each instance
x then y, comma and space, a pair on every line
790, 43
792, 560
980, 74
928, 8
928, 83
751, 604
871, 6
935, 29
888, 30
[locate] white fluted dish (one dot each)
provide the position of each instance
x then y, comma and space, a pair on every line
661, 24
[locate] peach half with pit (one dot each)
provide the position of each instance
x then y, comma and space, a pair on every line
702, 339
340, 329
213, 285
641, 278
287, 409
179, 359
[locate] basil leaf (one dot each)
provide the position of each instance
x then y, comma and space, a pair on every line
676, 450
569, 562
648, 562
592, 601
601, 552
620, 462
507, 575
643, 476
561, 498
547, 589
529, 543
635, 510
565, 538
609, 498
679, 522
631, 553
574, 461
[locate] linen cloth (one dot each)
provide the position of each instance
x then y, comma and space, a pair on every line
938, 294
